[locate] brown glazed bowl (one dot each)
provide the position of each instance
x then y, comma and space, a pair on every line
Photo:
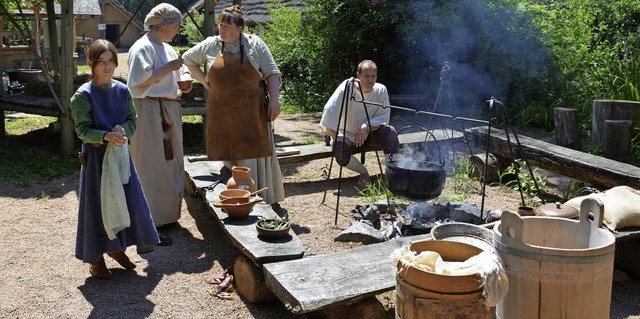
233, 193
238, 208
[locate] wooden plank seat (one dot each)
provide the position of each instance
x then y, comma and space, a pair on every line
205, 180
309, 152
562, 160
321, 282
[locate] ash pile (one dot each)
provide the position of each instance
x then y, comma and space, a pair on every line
380, 221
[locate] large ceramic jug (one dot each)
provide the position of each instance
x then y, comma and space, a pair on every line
241, 179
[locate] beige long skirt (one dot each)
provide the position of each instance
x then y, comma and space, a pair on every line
162, 180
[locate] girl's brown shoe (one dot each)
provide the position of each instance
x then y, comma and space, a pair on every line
123, 260
99, 269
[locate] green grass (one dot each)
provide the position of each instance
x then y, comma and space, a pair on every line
28, 153
84, 69
24, 125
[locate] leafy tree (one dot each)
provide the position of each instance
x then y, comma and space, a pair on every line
295, 52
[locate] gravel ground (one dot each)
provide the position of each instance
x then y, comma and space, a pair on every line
40, 278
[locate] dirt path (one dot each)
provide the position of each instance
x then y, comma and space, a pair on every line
40, 278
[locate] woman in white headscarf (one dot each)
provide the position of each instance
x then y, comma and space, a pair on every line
156, 149
239, 130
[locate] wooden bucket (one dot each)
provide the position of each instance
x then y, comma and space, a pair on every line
425, 295
557, 267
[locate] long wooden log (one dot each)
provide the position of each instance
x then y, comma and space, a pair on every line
571, 163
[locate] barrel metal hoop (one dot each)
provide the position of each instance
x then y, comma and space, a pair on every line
552, 258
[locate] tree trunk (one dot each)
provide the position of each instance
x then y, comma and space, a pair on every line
611, 110
617, 139
249, 279
567, 129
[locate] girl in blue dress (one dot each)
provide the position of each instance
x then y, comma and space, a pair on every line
112, 215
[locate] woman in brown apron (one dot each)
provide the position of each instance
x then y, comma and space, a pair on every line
239, 128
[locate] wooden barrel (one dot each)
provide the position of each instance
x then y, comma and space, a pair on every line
557, 267
425, 295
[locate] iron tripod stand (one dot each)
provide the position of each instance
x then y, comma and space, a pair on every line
346, 96
491, 103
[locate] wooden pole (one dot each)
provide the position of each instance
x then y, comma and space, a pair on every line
567, 129
66, 84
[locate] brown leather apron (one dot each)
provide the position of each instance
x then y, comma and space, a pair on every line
236, 118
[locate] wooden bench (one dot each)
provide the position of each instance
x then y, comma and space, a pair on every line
322, 282
408, 99
309, 152
204, 179
562, 160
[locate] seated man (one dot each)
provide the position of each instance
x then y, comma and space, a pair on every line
357, 132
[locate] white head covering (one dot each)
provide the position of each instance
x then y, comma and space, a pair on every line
162, 14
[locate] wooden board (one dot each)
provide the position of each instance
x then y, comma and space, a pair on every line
317, 151
287, 150
562, 160
317, 282
205, 180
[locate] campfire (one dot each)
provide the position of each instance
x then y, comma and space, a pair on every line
382, 222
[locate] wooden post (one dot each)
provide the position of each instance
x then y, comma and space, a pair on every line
617, 139
67, 133
611, 110
250, 281
567, 129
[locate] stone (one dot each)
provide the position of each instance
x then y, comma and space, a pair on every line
360, 232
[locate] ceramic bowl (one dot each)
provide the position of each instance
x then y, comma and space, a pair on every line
234, 193
272, 233
239, 207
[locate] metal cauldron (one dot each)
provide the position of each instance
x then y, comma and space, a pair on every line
415, 179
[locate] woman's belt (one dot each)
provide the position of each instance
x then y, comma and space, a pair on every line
95, 145
161, 98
